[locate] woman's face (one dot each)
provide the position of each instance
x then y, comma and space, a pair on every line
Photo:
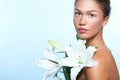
88, 18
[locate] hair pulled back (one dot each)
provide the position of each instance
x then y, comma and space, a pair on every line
104, 4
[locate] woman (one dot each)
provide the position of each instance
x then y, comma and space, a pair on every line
90, 16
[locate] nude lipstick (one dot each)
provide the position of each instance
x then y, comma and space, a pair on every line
82, 30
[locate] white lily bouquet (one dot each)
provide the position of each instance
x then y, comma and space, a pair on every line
70, 64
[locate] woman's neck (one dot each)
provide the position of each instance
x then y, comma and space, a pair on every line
96, 41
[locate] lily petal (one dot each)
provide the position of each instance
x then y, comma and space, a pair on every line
74, 72
91, 63
81, 46
47, 74
69, 61
69, 50
49, 54
90, 51
46, 64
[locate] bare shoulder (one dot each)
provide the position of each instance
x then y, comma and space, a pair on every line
103, 70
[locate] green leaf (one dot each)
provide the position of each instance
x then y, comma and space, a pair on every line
77, 37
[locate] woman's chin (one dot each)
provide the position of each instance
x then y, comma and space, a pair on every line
83, 38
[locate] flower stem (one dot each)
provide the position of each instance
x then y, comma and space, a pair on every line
66, 71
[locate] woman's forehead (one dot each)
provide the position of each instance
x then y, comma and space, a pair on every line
88, 5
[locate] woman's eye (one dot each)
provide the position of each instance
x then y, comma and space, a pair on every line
77, 13
91, 15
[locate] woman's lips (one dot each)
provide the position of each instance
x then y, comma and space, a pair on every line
82, 30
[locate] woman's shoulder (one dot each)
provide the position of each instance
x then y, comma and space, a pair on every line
104, 69
103, 55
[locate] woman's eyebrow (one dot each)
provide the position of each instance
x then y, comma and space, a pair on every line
77, 9
86, 11
92, 11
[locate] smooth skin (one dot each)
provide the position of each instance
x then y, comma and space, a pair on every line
89, 22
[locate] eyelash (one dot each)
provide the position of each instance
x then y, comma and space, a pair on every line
91, 15
77, 13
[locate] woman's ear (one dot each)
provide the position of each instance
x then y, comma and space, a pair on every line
105, 20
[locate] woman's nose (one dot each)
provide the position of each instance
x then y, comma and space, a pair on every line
82, 21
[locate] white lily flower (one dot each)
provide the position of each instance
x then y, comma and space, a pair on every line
50, 64
78, 57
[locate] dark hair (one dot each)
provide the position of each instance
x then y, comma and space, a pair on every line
105, 6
